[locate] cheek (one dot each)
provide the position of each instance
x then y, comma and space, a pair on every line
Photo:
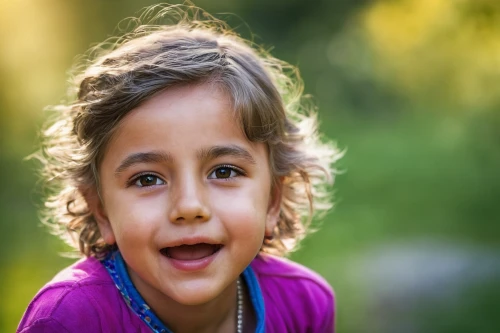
131, 217
244, 196
244, 211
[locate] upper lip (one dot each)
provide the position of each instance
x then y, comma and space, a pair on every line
192, 240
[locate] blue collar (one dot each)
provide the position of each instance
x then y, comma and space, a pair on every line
117, 270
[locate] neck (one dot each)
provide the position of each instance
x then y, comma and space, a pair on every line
210, 317
217, 315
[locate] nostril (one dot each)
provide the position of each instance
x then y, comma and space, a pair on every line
182, 218
185, 213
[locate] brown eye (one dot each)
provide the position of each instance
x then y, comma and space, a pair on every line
148, 180
225, 172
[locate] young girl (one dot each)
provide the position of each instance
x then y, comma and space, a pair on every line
183, 170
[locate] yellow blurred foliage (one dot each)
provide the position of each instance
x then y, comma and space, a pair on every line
16, 291
35, 40
446, 49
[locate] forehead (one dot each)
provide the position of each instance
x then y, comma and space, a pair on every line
181, 121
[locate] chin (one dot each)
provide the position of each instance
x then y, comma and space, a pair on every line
195, 297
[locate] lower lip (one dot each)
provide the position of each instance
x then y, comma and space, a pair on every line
192, 265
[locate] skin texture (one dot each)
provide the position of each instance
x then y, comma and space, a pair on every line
163, 186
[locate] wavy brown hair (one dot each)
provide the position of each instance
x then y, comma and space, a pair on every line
118, 75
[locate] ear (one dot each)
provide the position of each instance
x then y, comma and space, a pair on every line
274, 208
97, 209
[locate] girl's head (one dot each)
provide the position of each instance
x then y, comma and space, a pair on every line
188, 64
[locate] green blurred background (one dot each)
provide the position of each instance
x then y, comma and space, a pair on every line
410, 88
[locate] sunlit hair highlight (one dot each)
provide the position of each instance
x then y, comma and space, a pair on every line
181, 45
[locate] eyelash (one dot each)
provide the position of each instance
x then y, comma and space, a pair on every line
133, 181
238, 171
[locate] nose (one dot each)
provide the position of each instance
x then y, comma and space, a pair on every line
188, 202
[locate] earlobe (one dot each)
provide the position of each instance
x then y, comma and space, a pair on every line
97, 209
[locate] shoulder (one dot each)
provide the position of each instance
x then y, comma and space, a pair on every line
76, 300
302, 299
287, 275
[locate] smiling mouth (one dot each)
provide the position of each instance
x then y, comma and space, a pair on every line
191, 252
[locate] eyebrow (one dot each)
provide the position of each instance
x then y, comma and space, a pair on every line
229, 150
147, 157
203, 154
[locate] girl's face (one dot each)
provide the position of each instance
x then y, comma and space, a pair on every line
186, 197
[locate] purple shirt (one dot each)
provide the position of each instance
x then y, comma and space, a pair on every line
83, 298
